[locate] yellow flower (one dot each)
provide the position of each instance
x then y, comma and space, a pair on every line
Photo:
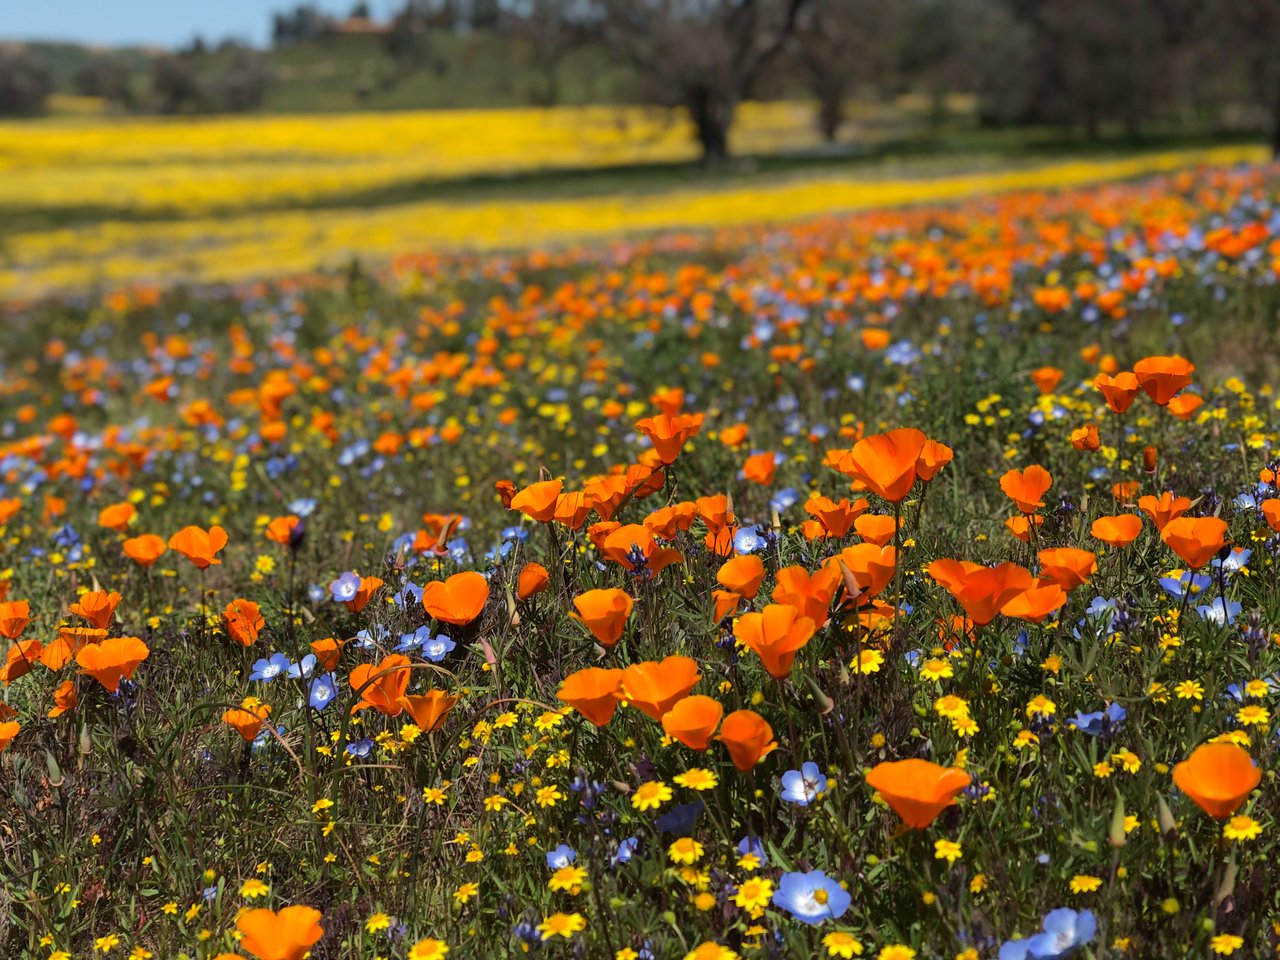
686, 850
568, 878
711, 951
253, 889
753, 895
868, 661
896, 951
106, 944
1102, 769
697, 779
1083, 883
428, 949
547, 796
936, 669
1253, 715
1189, 690
841, 943
978, 883
466, 892
951, 707
1128, 760
650, 795
947, 850
495, 803
1041, 706
562, 925
377, 922
1241, 827
1226, 944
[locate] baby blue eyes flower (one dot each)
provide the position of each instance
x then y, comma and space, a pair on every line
1100, 722
1064, 930
302, 507
626, 850
747, 540
437, 648
345, 587
811, 897
323, 691
805, 785
360, 748
561, 856
268, 669
303, 668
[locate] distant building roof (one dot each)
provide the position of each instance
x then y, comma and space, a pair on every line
361, 25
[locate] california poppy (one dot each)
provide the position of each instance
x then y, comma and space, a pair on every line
19, 659
144, 550
381, 685
1036, 602
1195, 539
876, 528
199, 546
871, 565
242, 619
572, 509
810, 593
287, 935
982, 591
654, 687
1026, 488
669, 434
1046, 379
1118, 531
1184, 405
64, 698
97, 606
429, 710
748, 738
1021, 525
1163, 509
538, 500
835, 516
328, 652
886, 462
693, 720
112, 660
1218, 777
634, 548
1162, 377
775, 634
759, 468
743, 575
14, 617
1119, 390
1086, 438
533, 579
933, 457
70, 640
117, 516
604, 613
1271, 513
281, 530
594, 692
1069, 567
457, 600
248, 718
8, 730
917, 790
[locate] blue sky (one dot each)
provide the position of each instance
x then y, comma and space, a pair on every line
160, 22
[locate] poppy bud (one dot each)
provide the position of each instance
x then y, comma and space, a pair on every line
1115, 836
1149, 459
1164, 819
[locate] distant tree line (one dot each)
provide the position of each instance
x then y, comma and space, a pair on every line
1087, 66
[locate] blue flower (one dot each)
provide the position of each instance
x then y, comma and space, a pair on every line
345, 587
811, 897
747, 540
303, 668
1100, 722
805, 785
437, 648
1222, 612
561, 856
360, 748
412, 641
268, 670
322, 692
1064, 930
626, 850
303, 507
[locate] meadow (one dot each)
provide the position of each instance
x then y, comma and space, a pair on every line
894, 584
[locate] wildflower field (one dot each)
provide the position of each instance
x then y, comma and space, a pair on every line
895, 585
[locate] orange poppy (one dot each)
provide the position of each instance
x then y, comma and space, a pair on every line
97, 606
572, 509
886, 462
1118, 531
1123, 490
748, 738
693, 720
328, 651
1218, 777
1046, 379
654, 687
1026, 488
368, 587
759, 468
64, 698
532, 580
457, 600
506, 492
538, 500
634, 548
242, 619
917, 790
835, 516
933, 457
144, 550
775, 635
280, 530
14, 617
1163, 377
429, 710
1069, 567
248, 718
876, 528
199, 546
1033, 604
604, 613
112, 660
1020, 526
1166, 508
1195, 539
666, 522
594, 692
1184, 405
743, 575
1119, 390
287, 935
381, 685
871, 565
117, 516
810, 593
18, 661
1271, 513
726, 602
982, 591
669, 434
70, 641
1149, 459
8, 730
1086, 438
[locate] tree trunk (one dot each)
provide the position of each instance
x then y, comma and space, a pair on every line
1275, 124
712, 115
830, 111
